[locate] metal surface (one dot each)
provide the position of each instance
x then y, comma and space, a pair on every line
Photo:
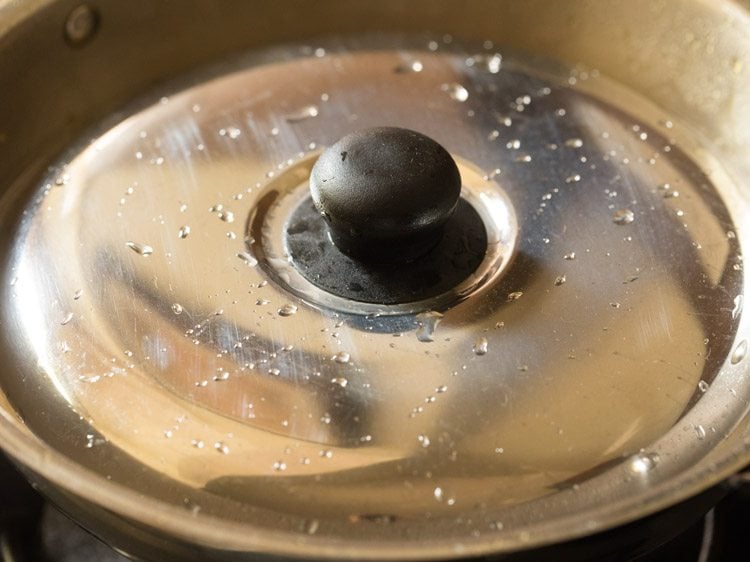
168, 373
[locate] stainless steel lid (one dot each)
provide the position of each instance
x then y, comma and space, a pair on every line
164, 340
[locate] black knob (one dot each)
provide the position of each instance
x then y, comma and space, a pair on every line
386, 193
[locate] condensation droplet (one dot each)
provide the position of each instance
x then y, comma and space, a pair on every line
702, 385
221, 447
481, 346
700, 432
67, 318
644, 462
302, 114
341, 357
514, 296
341, 381
226, 216
492, 63
560, 280
140, 249
177, 308
623, 216
737, 310
311, 526
456, 91
427, 324
739, 352
183, 232
570, 256
248, 259
423, 440
288, 310
574, 143
231, 132
406, 68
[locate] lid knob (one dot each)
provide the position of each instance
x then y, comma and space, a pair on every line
386, 193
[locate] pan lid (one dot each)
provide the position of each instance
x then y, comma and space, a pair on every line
185, 325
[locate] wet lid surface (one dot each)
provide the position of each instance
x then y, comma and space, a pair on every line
164, 329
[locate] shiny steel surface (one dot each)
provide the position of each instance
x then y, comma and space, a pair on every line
575, 384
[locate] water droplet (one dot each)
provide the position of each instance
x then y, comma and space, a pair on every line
67, 318
414, 66
221, 447
78, 294
341, 357
248, 259
644, 462
311, 526
183, 232
441, 389
700, 432
226, 216
141, 249
197, 443
575, 178
326, 454
424, 440
702, 386
514, 296
514, 144
427, 323
274, 372
481, 346
341, 381
279, 466
231, 132
492, 63
623, 216
177, 308
525, 158
456, 91
561, 279
287, 310
438, 493
739, 352
570, 256
574, 143
221, 376
737, 310
302, 114
326, 418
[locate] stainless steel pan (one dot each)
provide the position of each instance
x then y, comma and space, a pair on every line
186, 394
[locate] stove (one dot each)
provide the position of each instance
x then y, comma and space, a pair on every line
33, 530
